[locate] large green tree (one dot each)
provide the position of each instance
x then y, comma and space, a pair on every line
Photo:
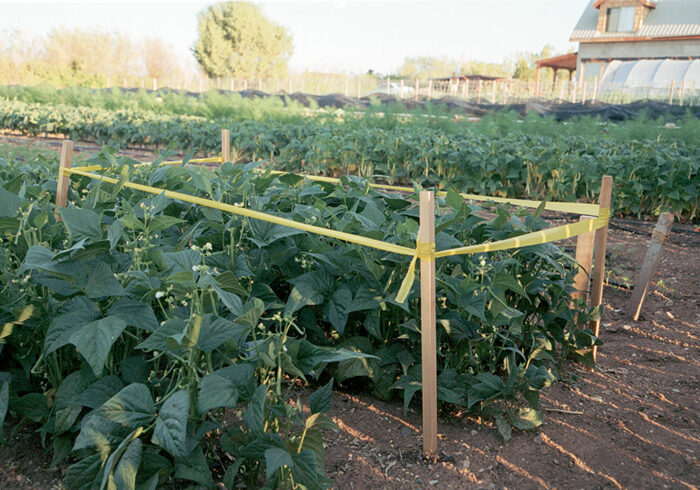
237, 40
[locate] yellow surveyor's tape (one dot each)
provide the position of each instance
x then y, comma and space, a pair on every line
562, 207
240, 210
423, 251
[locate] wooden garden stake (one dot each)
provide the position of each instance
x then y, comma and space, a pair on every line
225, 145
583, 93
466, 89
670, 96
656, 245
63, 179
415, 93
430, 89
478, 91
426, 236
584, 258
601, 242
493, 92
682, 92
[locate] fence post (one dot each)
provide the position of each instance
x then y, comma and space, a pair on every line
478, 91
63, 178
656, 245
225, 145
430, 89
670, 95
682, 92
426, 236
601, 242
584, 258
466, 89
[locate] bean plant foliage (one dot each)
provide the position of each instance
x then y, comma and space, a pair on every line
156, 341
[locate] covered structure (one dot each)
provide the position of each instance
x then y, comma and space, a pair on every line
563, 62
631, 30
650, 78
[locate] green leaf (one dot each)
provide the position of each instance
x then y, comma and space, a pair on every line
309, 289
125, 473
162, 222
85, 474
100, 391
82, 223
504, 428
320, 421
111, 462
135, 314
216, 391
4, 402
217, 330
305, 471
264, 232
94, 340
337, 309
488, 386
320, 400
112, 422
9, 204
254, 414
195, 468
454, 200
171, 424
78, 312
101, 283
276, 458
410, 383
32, 406
253, 308
157, 340
527, 418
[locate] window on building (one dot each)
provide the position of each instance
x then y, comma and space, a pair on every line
620, 19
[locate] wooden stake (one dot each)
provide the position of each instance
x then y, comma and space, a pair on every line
63, 179
359, 87
155, 84
478, 91
225, 145
583, 93
656, 245
430, 89
601, 242
426, 235
670, 97
493, 92
347, 86
466, 89
682, 92
415, 93
584, 257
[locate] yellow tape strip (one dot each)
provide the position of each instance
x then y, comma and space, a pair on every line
239, 210
564, 207
424, 251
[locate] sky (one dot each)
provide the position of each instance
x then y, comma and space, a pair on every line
334, 36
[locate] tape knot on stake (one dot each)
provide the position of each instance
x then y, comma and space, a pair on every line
424, 251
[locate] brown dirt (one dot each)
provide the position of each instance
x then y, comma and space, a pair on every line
631, 423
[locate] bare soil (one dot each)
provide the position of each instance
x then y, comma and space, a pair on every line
633, 422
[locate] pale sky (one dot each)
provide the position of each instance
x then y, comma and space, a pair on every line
339, 36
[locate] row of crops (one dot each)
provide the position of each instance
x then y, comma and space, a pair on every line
156, 342
655, 166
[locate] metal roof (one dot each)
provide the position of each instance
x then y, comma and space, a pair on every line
670, 18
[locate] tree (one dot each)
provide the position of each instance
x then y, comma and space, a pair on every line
236, 40
160, 60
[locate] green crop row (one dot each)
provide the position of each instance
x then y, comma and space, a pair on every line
496, 157
137, 326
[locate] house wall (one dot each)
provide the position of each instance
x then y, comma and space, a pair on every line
685, 48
